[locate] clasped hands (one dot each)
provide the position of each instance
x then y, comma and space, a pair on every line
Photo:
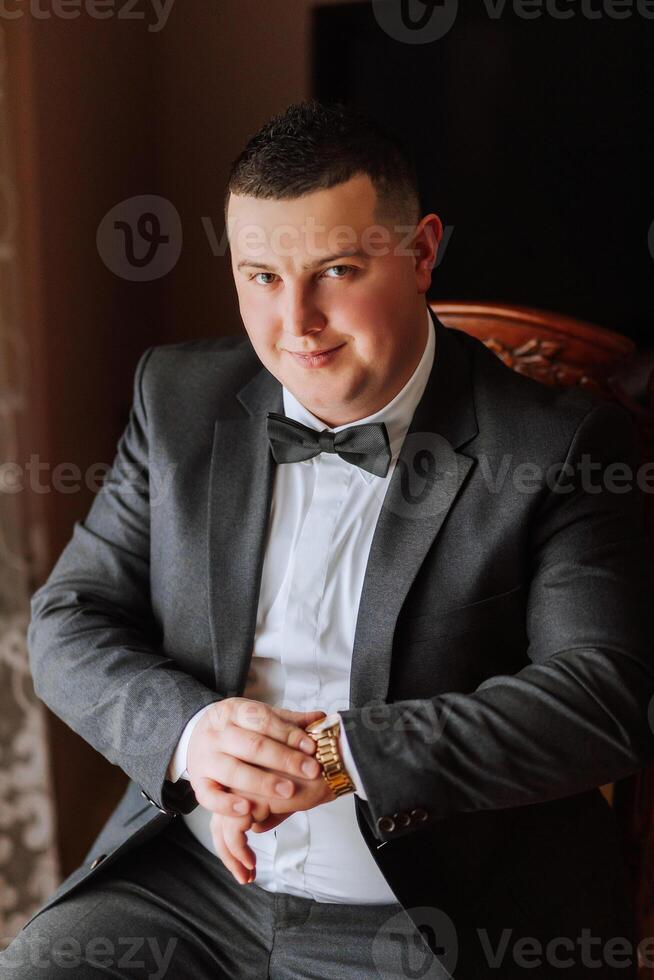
251, 765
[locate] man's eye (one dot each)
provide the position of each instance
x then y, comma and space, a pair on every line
347, 268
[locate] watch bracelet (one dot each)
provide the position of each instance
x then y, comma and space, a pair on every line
331, 763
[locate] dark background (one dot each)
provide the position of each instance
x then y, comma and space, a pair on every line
533, 140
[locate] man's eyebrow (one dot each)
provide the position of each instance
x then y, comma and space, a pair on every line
350, 254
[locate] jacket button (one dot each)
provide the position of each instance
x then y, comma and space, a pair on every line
419, 815
401, 819
96, 861
386, 825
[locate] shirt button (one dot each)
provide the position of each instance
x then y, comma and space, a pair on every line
96, 860
419, 815
386, 825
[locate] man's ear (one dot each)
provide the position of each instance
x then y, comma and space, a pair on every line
427, 239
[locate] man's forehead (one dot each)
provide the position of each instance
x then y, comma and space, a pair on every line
305, 246
307, 216
263, 230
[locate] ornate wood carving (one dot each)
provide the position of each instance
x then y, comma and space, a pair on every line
550, 347
541, 359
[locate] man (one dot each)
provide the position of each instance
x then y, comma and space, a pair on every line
364, 616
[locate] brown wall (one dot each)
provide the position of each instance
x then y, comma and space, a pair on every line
102, 111
226, 73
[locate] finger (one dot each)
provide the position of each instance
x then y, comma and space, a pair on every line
237, 843
267, 753
259, 812
258, 717
277, 806
236, 869
274, 820
241, 777
260, 809
213, 796
300, 718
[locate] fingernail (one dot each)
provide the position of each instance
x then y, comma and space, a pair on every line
310, 767
307, 744
241, 806
284, 788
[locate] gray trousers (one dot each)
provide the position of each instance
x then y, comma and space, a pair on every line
171, 909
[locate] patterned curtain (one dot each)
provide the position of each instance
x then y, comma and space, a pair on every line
28, 866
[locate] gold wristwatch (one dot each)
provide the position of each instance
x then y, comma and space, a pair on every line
325, 734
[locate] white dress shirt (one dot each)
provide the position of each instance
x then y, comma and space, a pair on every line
322, 520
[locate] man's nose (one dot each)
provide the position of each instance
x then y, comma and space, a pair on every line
301, 315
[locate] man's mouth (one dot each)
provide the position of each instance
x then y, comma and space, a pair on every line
320, 358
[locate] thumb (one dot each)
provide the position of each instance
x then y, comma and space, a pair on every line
274, 820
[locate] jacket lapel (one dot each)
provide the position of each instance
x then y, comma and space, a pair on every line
427, 479
240, 495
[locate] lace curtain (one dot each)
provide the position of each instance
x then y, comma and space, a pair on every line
28, 867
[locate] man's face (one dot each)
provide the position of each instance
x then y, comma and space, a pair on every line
301, 289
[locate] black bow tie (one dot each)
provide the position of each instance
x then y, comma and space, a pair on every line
364, 445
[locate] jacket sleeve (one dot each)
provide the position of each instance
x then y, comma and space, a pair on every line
579, 714
93, 642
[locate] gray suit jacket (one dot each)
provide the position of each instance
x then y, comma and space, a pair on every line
502, 665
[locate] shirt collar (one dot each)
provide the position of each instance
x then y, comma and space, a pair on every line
396, 415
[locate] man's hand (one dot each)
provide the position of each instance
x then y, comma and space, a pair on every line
229, 832
243, 752
239, 760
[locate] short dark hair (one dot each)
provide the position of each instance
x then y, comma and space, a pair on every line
315, 145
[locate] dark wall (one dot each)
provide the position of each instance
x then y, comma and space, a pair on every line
533, 141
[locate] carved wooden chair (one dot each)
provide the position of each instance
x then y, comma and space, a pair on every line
550, 347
